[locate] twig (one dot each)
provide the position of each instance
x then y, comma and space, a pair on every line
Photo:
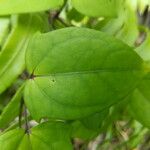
20, 112
27, 128
55, 15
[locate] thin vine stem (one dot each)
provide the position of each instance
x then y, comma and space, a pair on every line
20, 112
55, 16
27, 128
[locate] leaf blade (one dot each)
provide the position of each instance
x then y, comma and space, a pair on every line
89, 69
97, 8
7, 7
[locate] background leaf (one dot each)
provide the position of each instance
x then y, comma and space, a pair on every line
89, 127
24, 6
11, 111
4, 26
98, 8
140, 104
12, 55
11, 140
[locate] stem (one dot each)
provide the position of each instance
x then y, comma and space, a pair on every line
55, 15
20, 111
27, 128
22, 107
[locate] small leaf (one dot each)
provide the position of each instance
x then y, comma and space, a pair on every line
11, 111
140, 102
89, 127
129, 31
77, 72
140, 108
95, 121
24, 6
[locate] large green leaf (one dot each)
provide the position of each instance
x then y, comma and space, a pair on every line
11, 111
24, 6
13, 51
98, 8
46, 136
77, 72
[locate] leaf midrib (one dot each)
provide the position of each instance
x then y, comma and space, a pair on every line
89, 72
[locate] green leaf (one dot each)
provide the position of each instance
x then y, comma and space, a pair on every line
24, 6
74, 15
142, 4
95, 121
98, 8
77, 72
45, 136
4, 26
81, 132
89, 127
129, 30
51, 135
124, 27
12, 55
144, 49
10, 140
11, 111
140, 102
140, 106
